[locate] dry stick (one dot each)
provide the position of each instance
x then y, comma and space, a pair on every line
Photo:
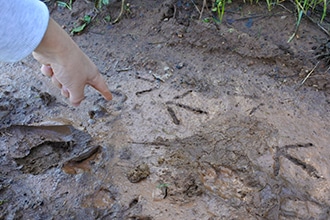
318, 24
308, 75
260, 16
121, 12
199, 11
323, 29
174, 12
204, 5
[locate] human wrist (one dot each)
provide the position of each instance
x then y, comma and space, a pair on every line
55, 46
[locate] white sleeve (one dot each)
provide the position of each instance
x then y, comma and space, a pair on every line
23, 24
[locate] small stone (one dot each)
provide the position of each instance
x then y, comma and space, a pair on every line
158, 194
180, 65
98, 111
91, 121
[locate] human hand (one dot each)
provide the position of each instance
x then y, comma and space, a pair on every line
69, 68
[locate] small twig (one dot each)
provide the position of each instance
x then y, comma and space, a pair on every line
121, 12
285, 8
204, 5
323, 29
308, 75
199, 11
156, 143
123, 69
260, 16
318, 24
174, 12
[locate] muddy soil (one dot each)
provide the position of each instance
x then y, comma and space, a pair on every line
208, 120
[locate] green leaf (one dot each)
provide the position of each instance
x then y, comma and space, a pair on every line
87, 19
107, 18
78, 29
105, 2
62, 4
206, 20
65, 5
162, 185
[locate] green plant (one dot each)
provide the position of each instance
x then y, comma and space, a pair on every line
303, 7
67, 5
100, 3
162, 185
84, 22
219, 7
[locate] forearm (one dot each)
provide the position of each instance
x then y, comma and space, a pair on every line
55, 45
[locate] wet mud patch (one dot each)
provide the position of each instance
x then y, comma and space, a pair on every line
37, 148
220, 152
28, 109
238, 161
256, 36
34, 152
43, 157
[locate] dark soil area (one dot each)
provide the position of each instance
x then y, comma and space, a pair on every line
209, 120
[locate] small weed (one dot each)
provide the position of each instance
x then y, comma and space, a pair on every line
303, 7
67, 5
107, 18
100, 3
219, 7
83, 23
162, 185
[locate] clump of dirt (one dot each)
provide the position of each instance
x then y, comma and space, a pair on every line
138, 173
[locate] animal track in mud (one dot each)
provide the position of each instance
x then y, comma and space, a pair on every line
187, 107
122, 98
144, 91
173, 115
312, 171
169, 109
171, 112
183, 95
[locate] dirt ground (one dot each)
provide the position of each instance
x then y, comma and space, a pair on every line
208, 120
